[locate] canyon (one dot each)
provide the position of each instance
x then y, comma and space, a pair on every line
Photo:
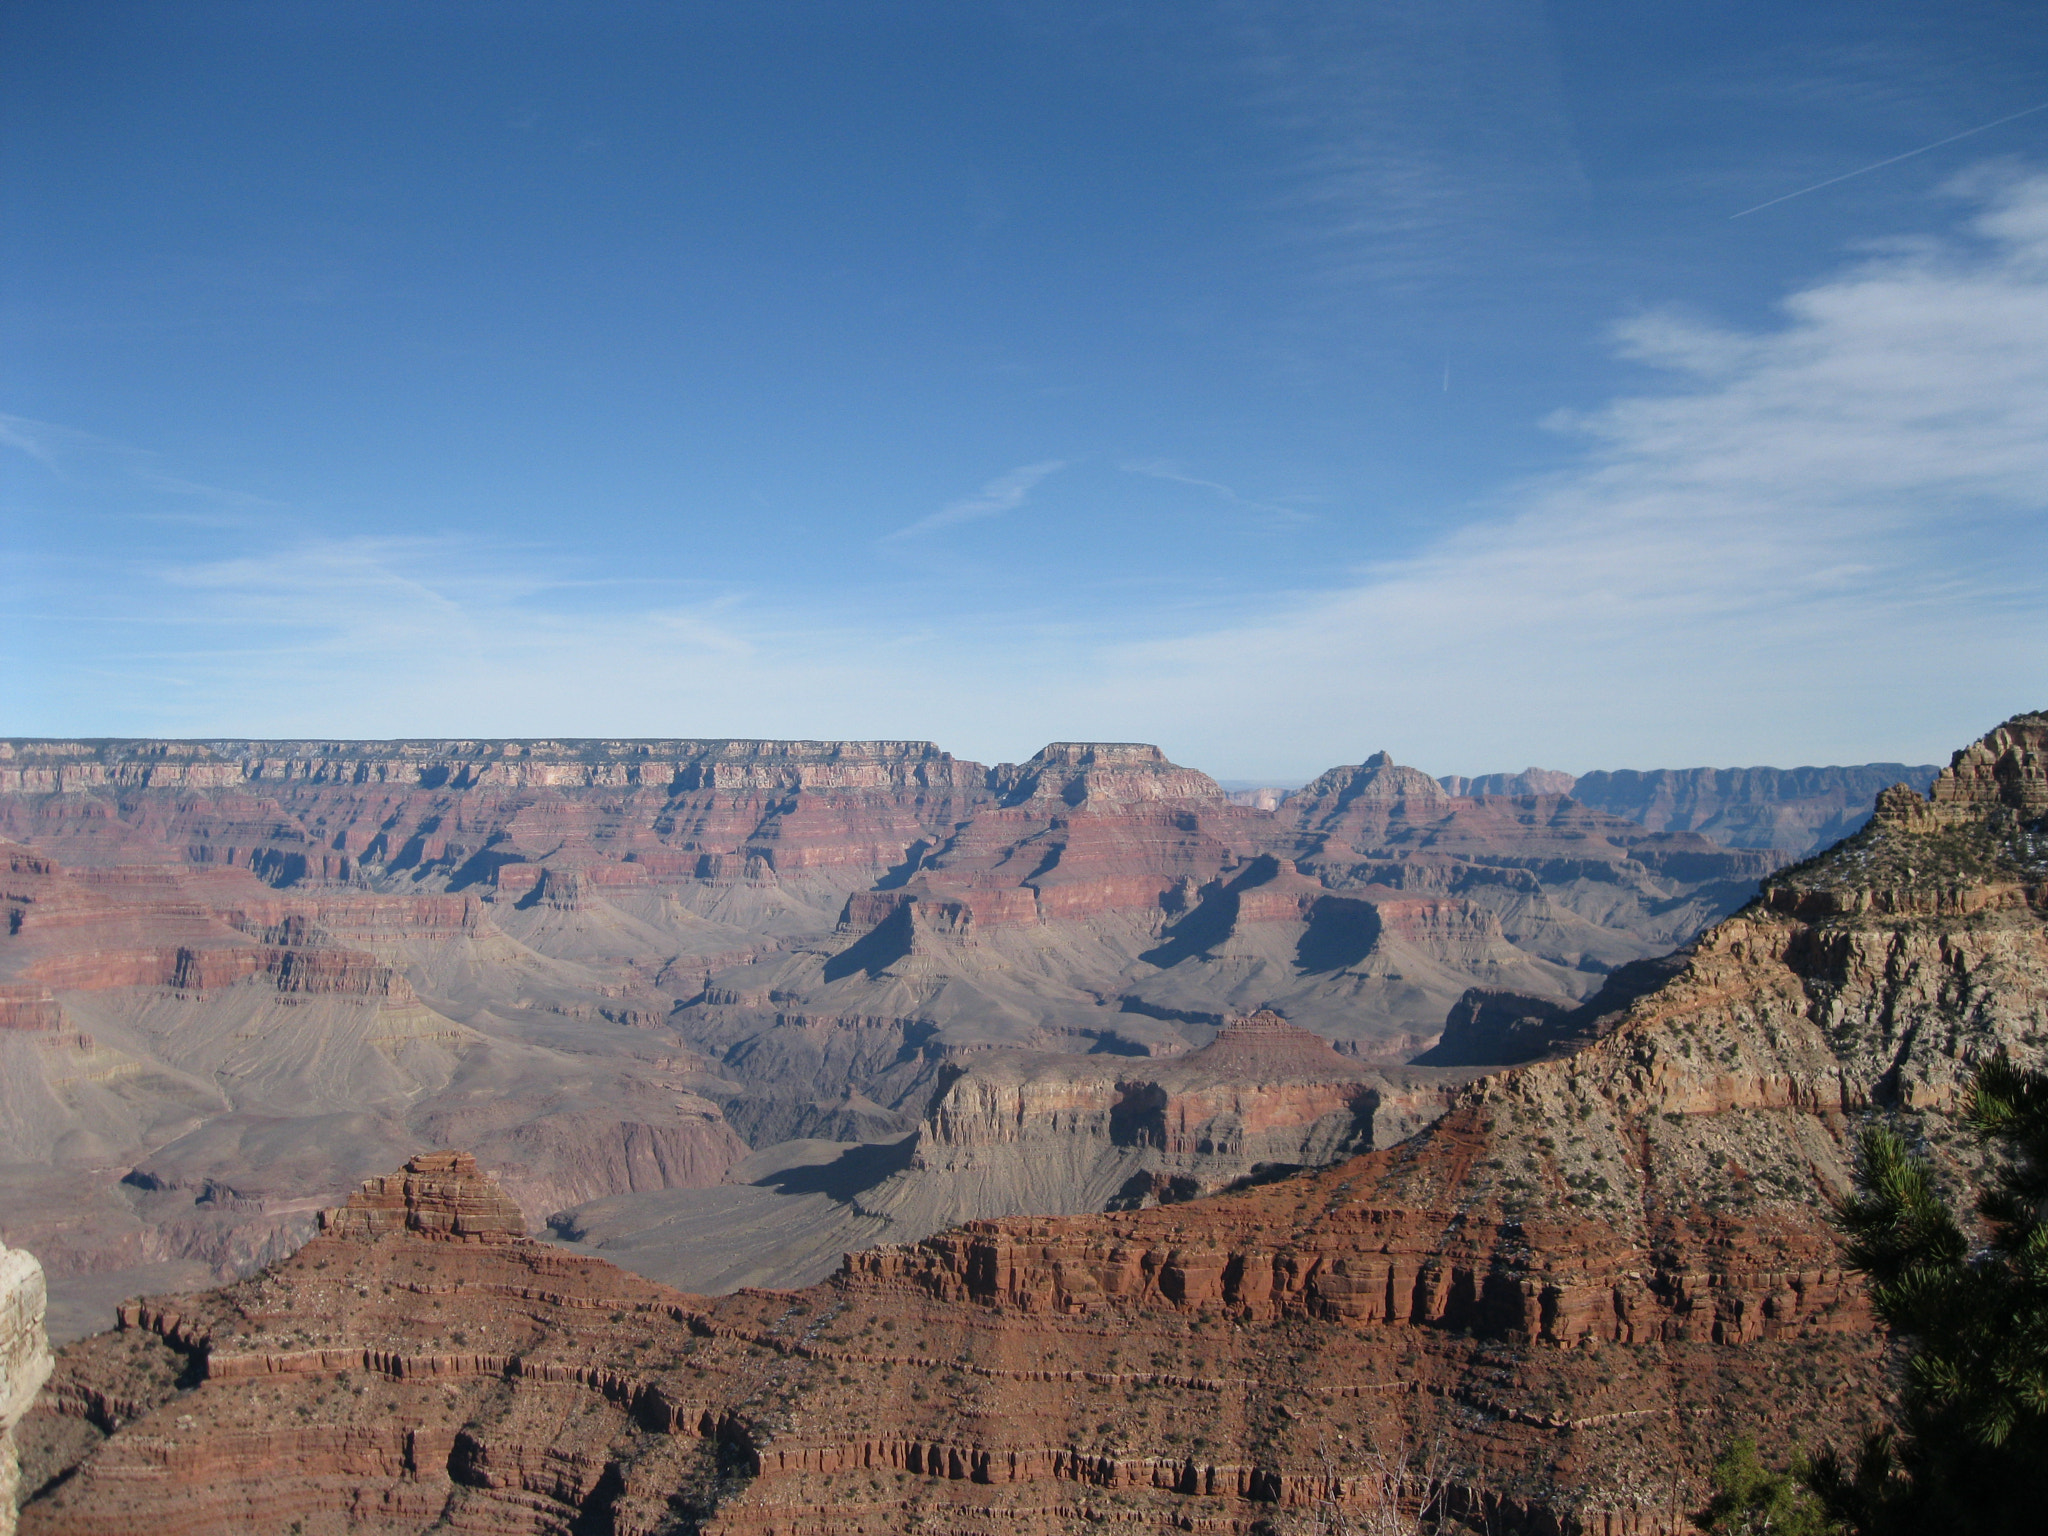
1798, 810
1545, 1310
723, 1009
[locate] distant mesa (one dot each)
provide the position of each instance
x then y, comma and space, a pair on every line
1264, 1045
1377, 780
1080, 772
1530, 781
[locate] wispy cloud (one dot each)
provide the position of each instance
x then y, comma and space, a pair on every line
1421, 131
1826, 532
1003, 494
1157, 469
68, 452
40, 440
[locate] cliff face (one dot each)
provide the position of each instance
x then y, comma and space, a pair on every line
1792, 810
1009, 1131
1572, 888
1013, 1133
1562, 1299
24, 1364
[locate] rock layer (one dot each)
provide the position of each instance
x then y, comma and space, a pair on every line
437, 1194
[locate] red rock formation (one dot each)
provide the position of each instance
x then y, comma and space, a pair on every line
438, 1194
29, 1008
1569, 1293
162, 961
389, 1382
1264, 1045
2007, 769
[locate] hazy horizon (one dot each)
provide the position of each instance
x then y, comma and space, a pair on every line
1229, 785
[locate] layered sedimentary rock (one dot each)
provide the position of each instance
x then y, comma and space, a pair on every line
1552, 1308
1011, 1131
1572, 889
1794, 809
2002, 779
1014, 1133
1530, 781
436, 1194
241, 1055
237, 977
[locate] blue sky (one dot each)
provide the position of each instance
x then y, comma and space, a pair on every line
1277, 382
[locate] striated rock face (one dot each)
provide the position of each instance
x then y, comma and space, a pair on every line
2005, 771
1378, 781
198, 1062
1566, 1296
1014, 1133
24, 1363
1074, 772
437, 1194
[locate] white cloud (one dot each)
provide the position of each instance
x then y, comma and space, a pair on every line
34, 438
1156, 469
1003, 494
1825, 538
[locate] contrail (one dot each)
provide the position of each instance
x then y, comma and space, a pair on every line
1895, 159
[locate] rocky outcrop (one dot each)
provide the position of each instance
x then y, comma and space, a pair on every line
437, 1194
24, 1364
1075, 772
29, 1007
2004, 772
1015, 1133
1489, 1025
